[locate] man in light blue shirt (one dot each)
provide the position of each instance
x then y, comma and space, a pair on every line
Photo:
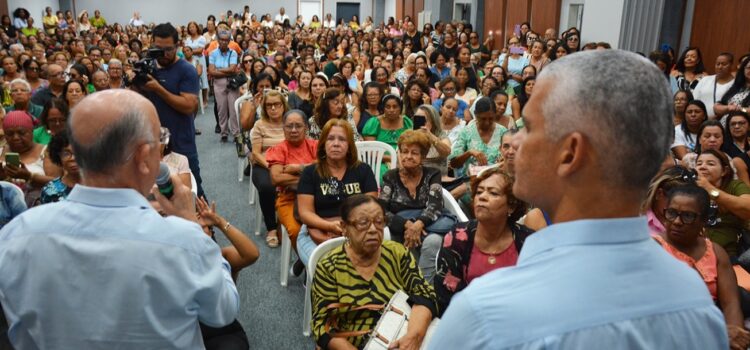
222, 64
103, 269
596, 131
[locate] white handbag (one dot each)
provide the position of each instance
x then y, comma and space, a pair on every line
394, 323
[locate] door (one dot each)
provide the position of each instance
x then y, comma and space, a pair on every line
346, 10
308, 9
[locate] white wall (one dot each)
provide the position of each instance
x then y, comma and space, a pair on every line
180, 12
390, 10
35, 8
602, 20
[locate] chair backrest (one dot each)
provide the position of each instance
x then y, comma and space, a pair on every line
372, 152
450, 204
238, 102
319, 252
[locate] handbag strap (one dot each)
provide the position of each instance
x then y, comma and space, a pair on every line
332, 321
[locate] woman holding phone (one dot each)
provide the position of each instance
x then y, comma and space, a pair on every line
415, 94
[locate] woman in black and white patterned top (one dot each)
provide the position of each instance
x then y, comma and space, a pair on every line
413, 199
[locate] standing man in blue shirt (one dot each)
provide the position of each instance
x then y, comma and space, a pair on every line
103, 269
596, 131
222, 64
174, 89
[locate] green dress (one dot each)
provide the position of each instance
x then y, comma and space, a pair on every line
469, 139
373, 129
42, 136
727, 230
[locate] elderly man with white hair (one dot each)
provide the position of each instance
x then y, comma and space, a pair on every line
103, 269
20, 93
222, 64
597, 130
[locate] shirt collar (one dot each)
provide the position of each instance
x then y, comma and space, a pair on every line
585, 232
108, 197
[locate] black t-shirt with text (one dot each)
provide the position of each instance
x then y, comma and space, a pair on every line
330, 192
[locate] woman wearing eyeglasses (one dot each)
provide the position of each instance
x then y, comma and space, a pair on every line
656, 199
366, 270
287, 160
572, 41
737, 142
53, 118
266, 133
685, 216
514, 62
332, 105
731, 196
61, 153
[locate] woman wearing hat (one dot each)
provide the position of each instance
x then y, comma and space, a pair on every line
34, 169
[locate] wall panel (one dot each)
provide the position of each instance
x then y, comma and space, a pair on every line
720, 25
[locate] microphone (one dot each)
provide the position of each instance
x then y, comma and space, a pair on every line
164, 182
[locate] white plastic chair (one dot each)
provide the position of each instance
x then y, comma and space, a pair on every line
372, 152
243, 160
318, 253
450, 204
286, 254
200, 101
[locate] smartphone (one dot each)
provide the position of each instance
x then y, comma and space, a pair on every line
490, 33
419, 121
12, 158
517, 30
517, 50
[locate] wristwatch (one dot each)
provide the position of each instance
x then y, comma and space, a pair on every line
714, 194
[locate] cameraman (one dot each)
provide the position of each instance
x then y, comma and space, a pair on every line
173, 88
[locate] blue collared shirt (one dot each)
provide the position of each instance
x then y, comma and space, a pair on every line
222, 59
589, 284
104, 270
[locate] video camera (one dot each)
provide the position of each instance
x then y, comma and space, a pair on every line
144, 67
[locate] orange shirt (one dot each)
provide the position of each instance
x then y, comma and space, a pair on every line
706, 265
215, 45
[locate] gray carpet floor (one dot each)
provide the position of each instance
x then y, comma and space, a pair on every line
271, 314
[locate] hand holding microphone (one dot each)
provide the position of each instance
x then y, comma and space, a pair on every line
174, 197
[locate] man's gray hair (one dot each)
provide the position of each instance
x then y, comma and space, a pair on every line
114, 61
17, 46
21, 81
621, 102
114, 144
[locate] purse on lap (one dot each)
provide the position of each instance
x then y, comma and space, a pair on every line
391, 326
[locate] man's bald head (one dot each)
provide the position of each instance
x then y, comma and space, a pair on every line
105, 128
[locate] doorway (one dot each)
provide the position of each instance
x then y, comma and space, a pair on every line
346, 10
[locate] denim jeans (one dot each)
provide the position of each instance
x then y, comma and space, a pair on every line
431, 243
305, 245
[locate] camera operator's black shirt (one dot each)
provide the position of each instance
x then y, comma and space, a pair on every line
178, 77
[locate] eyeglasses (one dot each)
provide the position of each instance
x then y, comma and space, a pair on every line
274, 105
66, 155
164, 136
687, 217
292, 127
364, 223
738, 124
246, 61
55, 121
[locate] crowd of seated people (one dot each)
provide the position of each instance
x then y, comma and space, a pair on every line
448, 104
